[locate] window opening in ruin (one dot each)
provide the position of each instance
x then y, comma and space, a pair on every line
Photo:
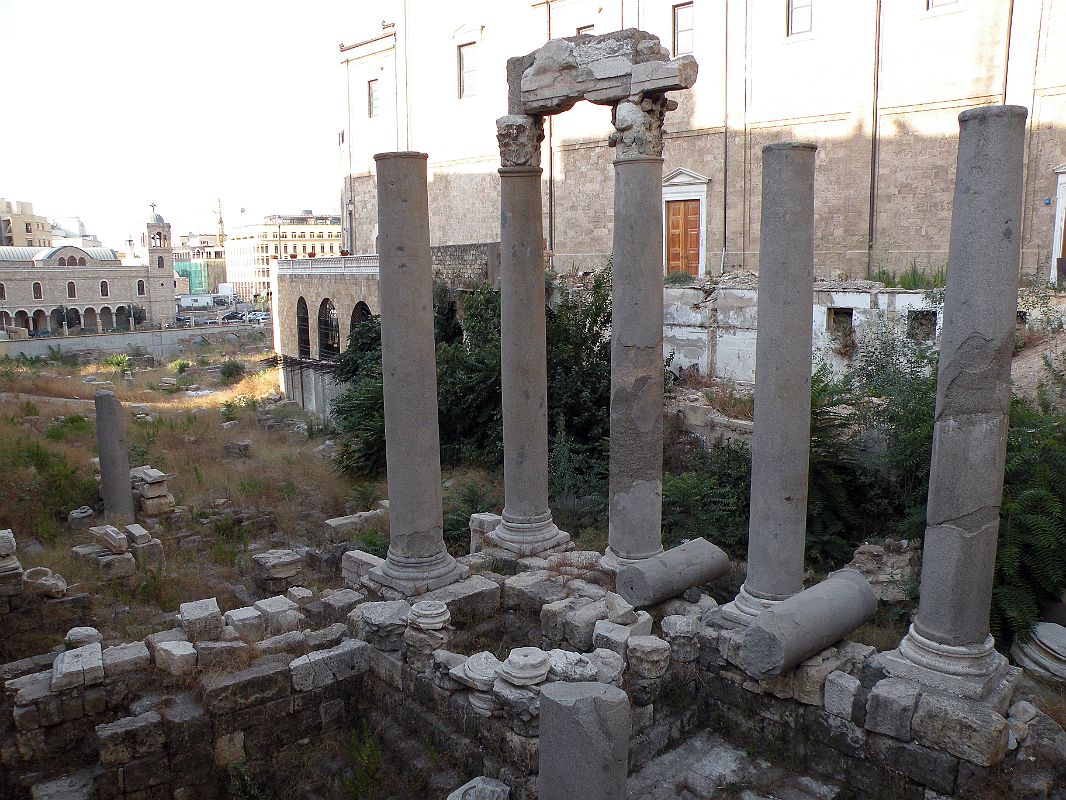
329, 331
303, 329
800, 17
3, 292
682, 29
840, 322
372, 103
921, 324
360, 314
467, 70
584, 30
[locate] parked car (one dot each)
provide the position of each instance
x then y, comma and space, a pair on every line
232, 316
258, 317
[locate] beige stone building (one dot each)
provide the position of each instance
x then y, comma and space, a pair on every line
20, 227
250, 248
878, 85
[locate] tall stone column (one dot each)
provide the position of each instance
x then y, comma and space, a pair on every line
636, 457
115, 485
780, 449
527, 527
417, 560
949, 647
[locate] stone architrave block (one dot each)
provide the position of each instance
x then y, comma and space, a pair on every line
612, 636
838, 694
125, 658
248, 623
584, 742
276, 564
580, 625
136, 534
890, 708
176, 657
82, 666
128, 738
356, 565
482, 788
201, 620
322, 668
970, 730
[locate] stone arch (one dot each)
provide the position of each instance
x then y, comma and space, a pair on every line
3, 292
56, 317
62, 261
22, 319
73, 318
90, 320
40, 320
107, 318
329, 332
5, 319
303, 329
81, 261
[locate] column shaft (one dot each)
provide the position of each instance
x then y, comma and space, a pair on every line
527, 526
780, 451
114, 453
636, 457
417, 559
973, 383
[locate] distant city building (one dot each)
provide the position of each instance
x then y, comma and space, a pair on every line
20, 227
251, 247
71, 230
200, 258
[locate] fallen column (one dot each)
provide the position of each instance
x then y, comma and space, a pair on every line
584, 741
788, 633
780, 449
527, 527
115, 486
948, 646
417, 560
636, 454
652, 580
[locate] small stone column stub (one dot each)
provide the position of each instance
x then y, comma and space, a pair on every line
417, 560
636, 450
527, 527
948, 647
780, 451
115, 485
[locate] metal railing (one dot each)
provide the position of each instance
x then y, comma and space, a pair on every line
330, 265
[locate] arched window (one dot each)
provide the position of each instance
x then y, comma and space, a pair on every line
81, 261
360, 314
140, 288
62, 261
38, 292
72, 290
329, 332
303, 329
3, 292
105, 291
159, 262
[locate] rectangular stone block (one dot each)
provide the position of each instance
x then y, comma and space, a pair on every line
355, 565
136, 534
553, 617
580, 625
838, 696
890, 708
248, 623
470, 599
149, 555
110, 537
967, 729
201, 620
130, 737
933, 768
212, 654
529, 591
260, 683
82, 666
337, 606
125, 658
176, 657
322, 668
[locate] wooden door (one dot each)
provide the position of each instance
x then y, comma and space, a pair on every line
683, 236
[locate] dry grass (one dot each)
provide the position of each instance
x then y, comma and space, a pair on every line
725, 399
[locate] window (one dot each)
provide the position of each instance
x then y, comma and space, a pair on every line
159, 262
931, 4
329, 333
800, 16
81, 261
38, 292
105, 291
682, 29
372, 106
467, 70
303, 329
3, 292
72, 290
140, 288
586, 30
62, 261
29, 227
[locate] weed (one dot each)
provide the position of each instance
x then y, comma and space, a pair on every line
28, 408
363, 753
363, 496
120, 362
71, 427
150, 589
231, 371
242, 786
180, 366
679, 279
461, 502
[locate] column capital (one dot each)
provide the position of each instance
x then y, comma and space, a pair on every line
639, 125
520, 136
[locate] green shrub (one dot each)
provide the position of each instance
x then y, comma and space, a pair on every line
71, 427
120, 362
180, 366
459, 503
679, 279
231, 371
40, 487
711, 499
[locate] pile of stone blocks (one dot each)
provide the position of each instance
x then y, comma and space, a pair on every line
10, 573
154, 499
892, 567
117, 554
277, 570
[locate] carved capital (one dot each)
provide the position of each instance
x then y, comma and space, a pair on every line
639, 126
520, 136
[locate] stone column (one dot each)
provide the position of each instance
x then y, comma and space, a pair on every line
115, 486
636, 458
527, 527
949, 646
780, 449
417, 560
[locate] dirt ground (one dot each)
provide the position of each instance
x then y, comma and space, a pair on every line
1027, 369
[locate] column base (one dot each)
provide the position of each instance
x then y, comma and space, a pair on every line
745, 607
969, 671
611, 562
527, 538
415, 576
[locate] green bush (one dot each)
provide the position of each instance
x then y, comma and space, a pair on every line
711, 499
40, 488
120, 362
70, 428
459, 503
231, 371
180, 366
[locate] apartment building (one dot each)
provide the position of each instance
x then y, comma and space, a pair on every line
249, 248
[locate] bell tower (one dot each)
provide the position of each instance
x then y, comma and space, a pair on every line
159, 303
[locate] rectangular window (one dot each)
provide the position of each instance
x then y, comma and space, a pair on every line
372, 107
29, 227
586, 30
931, 4
800, 16
467, 70
682, 29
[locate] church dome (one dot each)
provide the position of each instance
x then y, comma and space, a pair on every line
155, 219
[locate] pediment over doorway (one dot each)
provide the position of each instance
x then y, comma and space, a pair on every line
685, 177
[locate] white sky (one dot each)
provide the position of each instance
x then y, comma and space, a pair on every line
110, 105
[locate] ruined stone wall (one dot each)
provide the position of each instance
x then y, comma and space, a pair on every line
464, 266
